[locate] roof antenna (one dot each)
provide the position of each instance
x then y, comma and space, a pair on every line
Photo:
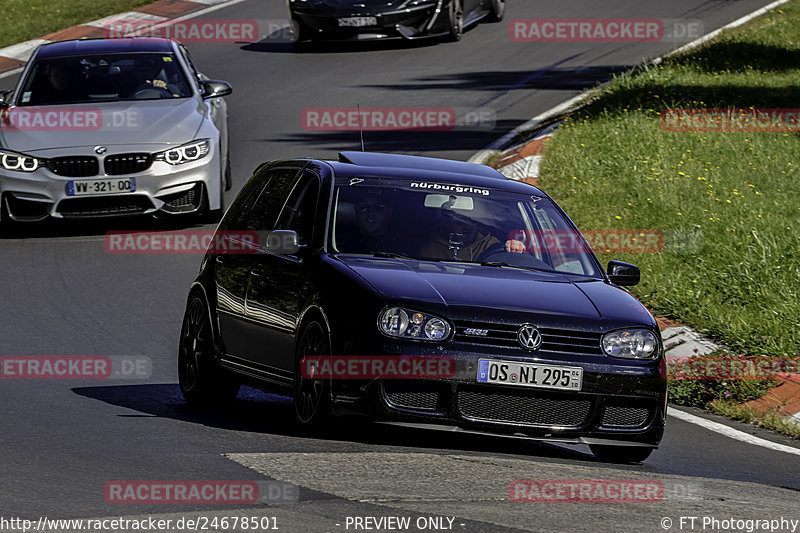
361, 126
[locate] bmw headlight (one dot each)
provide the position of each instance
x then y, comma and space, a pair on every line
631, 344
184, 154
407, 324
19, 162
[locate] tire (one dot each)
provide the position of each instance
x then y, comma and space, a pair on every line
303, 36
312, 406
456, 19
621, 454
199, 378
497, 10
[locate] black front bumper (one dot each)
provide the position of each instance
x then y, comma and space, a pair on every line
324, 24
612, 408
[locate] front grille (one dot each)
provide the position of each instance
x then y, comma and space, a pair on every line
105, 206
553, 340
522, 407
74, 166
127, 163
625, 417
416, 396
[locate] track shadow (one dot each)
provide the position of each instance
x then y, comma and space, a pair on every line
80, 228
548, 78
281, 46
258, 412
400, 141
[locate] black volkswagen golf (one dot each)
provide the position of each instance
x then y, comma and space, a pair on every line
403, 260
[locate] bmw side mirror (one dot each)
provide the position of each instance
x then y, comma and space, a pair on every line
215, 88
281, 242
623, 274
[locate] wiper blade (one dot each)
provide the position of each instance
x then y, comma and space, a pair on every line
501, 264
391, 255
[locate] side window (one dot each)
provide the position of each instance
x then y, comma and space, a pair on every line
265, 211
238, 214
300, 209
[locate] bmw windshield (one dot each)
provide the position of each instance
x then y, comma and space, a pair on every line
459, 223
103, 78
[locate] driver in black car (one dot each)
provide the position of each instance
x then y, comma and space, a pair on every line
457, 237
373, 228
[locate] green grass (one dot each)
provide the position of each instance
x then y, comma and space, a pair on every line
771, 420
21, 20
612, 166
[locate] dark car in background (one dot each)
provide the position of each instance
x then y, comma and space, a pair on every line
388, 255
314, 20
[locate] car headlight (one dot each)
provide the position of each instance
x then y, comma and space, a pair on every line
407, 324
19, 162
631, 344
184, 154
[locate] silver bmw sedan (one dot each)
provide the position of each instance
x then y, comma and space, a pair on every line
113, 127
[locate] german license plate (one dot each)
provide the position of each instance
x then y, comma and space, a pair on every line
530, 375
357, 22
92, 187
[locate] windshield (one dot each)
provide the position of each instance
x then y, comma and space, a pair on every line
102, 78
449, 222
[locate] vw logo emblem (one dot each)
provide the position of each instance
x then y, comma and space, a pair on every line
99, 149
529, 337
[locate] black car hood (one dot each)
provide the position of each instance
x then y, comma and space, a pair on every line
485, 290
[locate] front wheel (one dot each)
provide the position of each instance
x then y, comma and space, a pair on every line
621, 454
200, 381
497, 9
456, 19
311, 396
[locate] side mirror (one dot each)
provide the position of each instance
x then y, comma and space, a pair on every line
623, 274
281, 242
5, 96
215, 88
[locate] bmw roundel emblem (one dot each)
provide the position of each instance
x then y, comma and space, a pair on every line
99, 149
529, 337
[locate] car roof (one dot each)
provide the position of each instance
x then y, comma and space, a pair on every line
101, 46
371, 165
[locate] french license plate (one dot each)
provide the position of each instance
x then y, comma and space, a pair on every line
91, 187
357, 22
530, 375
